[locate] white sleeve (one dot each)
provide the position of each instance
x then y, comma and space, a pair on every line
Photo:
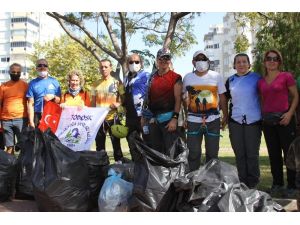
221, 85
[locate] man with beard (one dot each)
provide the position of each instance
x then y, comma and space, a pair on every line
13, 107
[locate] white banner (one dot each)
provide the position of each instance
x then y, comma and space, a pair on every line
77, 128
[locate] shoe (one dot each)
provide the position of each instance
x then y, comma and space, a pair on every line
276, 191
290, 193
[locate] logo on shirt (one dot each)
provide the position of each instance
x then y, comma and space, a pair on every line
51, 87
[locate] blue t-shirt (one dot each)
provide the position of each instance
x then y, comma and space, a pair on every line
39, 87
244, 95
138, 87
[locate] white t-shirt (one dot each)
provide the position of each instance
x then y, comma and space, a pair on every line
203, 93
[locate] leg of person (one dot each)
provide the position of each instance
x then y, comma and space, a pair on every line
212, 142
17, 126
274, 150
169, 139
132, 146
194, 145
252, 143
101, 137
8, 136
116, 143
287, 134
156, 137
237, 140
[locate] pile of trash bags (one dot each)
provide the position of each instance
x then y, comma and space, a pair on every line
60, 179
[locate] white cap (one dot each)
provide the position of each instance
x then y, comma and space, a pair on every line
199, 52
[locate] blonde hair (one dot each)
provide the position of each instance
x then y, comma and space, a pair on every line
76, 73
278, 54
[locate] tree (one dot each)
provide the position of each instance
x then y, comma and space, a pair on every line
64, 54
276, 31
241, 43
173, 30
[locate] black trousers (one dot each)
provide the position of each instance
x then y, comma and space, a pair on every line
278, 139
101, 138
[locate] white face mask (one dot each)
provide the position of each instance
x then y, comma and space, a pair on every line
134, 68
202, 66
43, 73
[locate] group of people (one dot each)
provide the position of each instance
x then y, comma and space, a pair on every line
159, 104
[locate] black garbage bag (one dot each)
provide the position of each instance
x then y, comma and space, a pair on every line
115, 193
154, 174
97, 163
239, 198
209, 183
8, 174
125, 169
24, 189
59, 177
293, 159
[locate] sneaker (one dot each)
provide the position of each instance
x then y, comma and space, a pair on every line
276, 191
290, 193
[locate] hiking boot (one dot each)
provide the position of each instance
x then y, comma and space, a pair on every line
276, 191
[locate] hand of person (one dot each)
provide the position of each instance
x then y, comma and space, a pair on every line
31, 124
62, 105
172, 125
79, 108
114, 105
49, 97
286, 118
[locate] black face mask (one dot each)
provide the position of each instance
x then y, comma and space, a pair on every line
15, 76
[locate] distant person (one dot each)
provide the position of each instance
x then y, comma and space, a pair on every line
245, 119
43, 88
203, 93
136, 86
75, 95
279, 125
163, 104
13, 107
105, 93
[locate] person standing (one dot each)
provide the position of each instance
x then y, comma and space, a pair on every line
43, 88
136, 85
75, 95
105, 93
203, 93
163, 102
244, 119
279, 125
13, 107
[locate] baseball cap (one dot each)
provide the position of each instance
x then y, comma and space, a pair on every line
163, 52
199, 52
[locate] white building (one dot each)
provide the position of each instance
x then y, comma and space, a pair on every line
219, 44
213, 46
231, 32
18, 32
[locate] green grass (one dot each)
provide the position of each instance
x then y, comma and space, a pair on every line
225, 154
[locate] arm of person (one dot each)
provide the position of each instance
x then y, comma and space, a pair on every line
30, 107
224, 108
286, 117
172, 125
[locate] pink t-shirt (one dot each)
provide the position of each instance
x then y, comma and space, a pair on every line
275, 94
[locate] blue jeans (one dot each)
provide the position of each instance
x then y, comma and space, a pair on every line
12, 128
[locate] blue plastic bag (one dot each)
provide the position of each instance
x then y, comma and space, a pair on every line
114, 193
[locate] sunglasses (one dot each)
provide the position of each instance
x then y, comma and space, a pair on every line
41, 65
274, 59
136, 62
165, 58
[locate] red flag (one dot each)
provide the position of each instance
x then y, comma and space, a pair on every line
50, 117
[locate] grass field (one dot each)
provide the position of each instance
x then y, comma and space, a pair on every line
226, 154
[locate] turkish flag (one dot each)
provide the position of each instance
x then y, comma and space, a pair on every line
50, 116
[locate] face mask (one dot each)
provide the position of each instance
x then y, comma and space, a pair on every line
202, 66
15, 77
134, 68
43, 73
